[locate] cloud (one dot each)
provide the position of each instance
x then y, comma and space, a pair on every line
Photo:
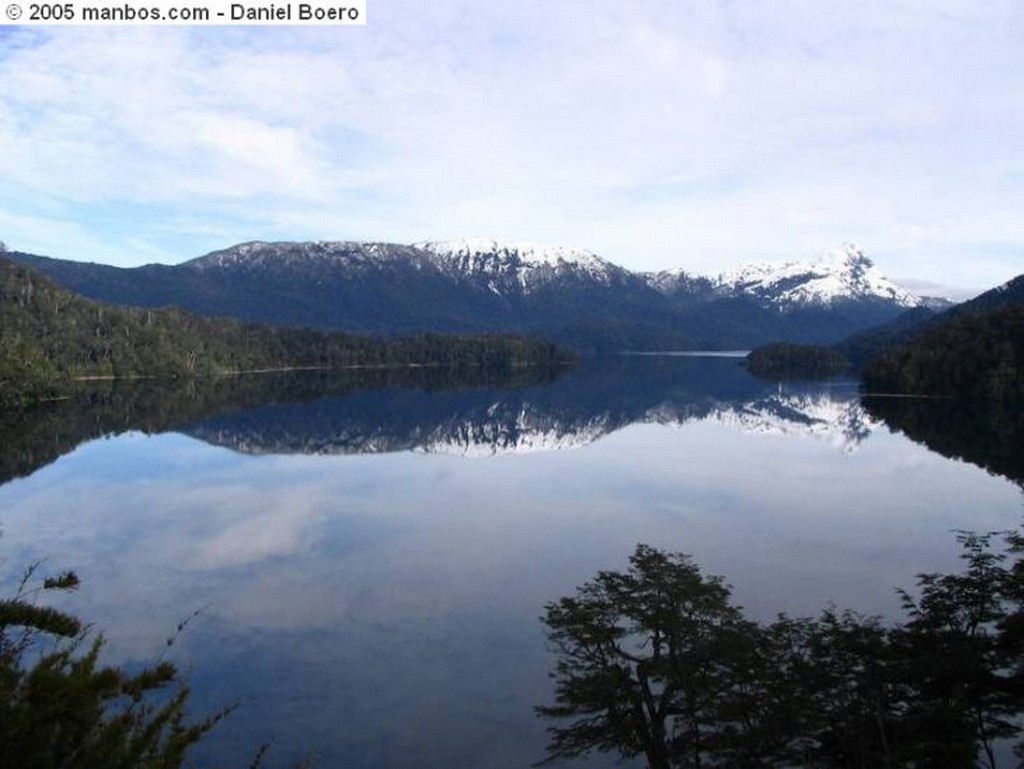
784, 128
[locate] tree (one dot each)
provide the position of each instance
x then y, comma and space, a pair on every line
60, 707
656, 661
648, 659
847, 698
958, 658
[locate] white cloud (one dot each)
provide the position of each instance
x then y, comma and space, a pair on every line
661, 135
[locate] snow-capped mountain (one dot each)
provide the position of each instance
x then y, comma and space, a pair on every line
678, 281
508, 268
481, 285
485, 252
527, 263
843, 275
278, 256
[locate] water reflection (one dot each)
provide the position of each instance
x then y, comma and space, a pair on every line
581, 407
36, 436
380, 609
984, 434
428, 411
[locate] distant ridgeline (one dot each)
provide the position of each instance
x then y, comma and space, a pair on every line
974, 351
51, 337
568, 295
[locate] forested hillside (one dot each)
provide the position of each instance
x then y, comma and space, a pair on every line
970, 356
971, 352
50, 337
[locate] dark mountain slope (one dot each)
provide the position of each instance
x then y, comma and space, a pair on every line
971, 350
905, 328
969, 355
868, 344
483, 286
919, 321
1010, 294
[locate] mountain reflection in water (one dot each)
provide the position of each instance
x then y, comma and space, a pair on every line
378, 605
429, 410
983, 434
577, 409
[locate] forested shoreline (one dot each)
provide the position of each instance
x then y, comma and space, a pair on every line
971, 353
52, 337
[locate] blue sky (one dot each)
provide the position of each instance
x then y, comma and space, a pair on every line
658, 134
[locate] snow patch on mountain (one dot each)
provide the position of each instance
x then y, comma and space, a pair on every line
506, 264
509, 267
842, 275
487, 250
260, 254
677, 281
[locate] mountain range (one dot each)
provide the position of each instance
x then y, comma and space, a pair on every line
481, 285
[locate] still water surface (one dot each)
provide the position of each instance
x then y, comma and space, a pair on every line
370, 564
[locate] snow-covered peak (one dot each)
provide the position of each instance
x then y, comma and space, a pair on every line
505, 266
840, 275
529, 254
675, 281
510, 268
260, 254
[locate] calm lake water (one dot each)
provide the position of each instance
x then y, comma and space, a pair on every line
370, 564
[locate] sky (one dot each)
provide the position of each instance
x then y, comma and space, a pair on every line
680, 134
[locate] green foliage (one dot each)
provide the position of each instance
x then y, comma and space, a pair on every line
784, 360
971, 356
955, 659
658, 662
50, 337
642, 660
61, 707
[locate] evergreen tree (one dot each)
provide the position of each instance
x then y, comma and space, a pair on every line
60, 707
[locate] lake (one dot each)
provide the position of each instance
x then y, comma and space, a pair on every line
369, 556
